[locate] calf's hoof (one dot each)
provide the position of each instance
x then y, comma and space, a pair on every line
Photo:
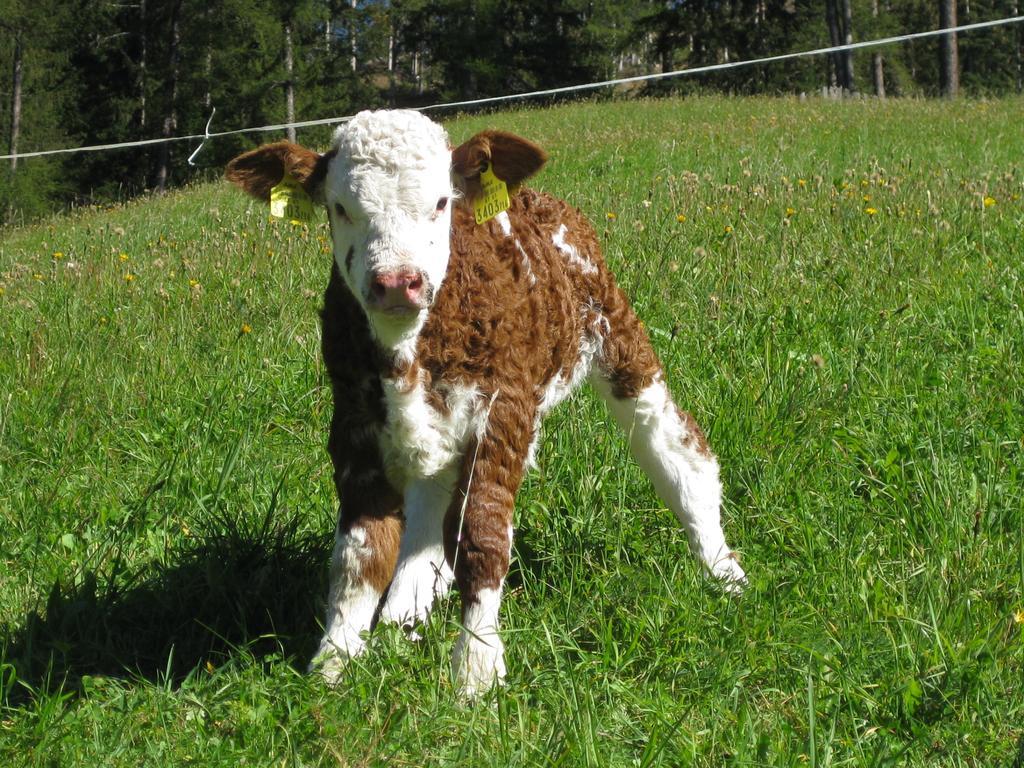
330, 663
729, 575
478, 665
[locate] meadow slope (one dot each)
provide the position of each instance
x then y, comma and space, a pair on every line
837, 291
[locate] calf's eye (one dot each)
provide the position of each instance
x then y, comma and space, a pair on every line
442, 203
339, 209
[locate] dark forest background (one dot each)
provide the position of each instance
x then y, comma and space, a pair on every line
79, 72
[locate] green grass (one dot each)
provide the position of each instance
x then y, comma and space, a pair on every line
166, 504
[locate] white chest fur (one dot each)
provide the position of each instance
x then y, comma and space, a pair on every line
419, 440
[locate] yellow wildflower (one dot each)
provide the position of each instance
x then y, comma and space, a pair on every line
58, 255
728, 229
1018, 616
681, 218
989, 201
867, 198
123, 256
870, 211
37, 276
128, 277
193, 283
790, 212
610, 216
802, 182
246, 328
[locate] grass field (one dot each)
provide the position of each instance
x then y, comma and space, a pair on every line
837, 291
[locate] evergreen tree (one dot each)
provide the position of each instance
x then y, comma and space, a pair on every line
80, 72
31, 95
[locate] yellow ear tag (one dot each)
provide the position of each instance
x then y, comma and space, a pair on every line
494, 199
288, 200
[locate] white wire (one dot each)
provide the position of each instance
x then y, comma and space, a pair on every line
735, 64
192, 158
549, 91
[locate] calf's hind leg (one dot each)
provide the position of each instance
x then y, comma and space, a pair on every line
667, 444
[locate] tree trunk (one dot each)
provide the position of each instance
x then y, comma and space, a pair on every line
667, 61
835, 38
851, 84
391, 61
142, 63
16, 102
289, 83
171, 121
207, 73
877, 67
352, 34
208, 60
1018, 55
949, 57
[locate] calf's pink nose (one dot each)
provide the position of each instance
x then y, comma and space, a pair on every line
402, 288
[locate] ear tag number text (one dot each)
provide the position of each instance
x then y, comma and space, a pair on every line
288, 200
494, 199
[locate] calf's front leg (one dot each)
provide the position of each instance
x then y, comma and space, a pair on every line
365, 549
478, 542
421, 575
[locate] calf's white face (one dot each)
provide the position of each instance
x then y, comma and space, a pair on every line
388, 184
388, 193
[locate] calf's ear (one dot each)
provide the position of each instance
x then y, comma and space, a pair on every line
262, 169
513, 160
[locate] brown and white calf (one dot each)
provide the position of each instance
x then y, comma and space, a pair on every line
446, 343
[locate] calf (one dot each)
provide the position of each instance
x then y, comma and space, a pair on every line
446, 342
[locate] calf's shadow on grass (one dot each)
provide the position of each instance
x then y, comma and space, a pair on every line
258, 592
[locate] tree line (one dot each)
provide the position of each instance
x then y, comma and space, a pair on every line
80, 72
